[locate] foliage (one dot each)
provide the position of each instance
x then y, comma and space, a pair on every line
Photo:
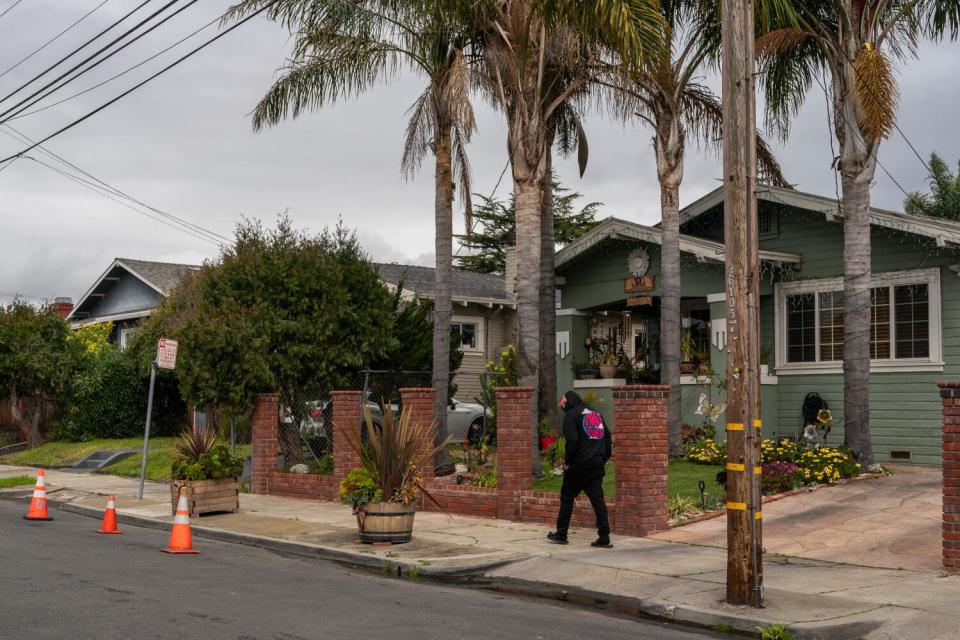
213, 464
36, 360
497, 228
556, 453
358, 488
107, 398
943, 201
91, 339
485, 478
394, 454
779, 476
193, 443
680, 508
499, 374
775, 632
53, 454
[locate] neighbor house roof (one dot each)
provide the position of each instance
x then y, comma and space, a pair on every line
162, 277
944, 232
484, 288
616, 229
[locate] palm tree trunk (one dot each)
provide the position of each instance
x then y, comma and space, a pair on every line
443, 243
669, 148
548, 299
857, 168
528, 295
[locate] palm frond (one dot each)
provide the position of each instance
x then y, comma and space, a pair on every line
419, 134
783, 41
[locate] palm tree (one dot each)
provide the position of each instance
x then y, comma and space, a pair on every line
521, 40
343, 48
856, 41
943, 201
668, 96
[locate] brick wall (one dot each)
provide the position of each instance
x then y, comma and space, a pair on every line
641, 455
266, 417
464, 500
302, 485
514, 420
539, 507
419, 402
346, 419
950, 397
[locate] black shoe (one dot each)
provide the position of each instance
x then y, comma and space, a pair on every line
602, 543
556, 538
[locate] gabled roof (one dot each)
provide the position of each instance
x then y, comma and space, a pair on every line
162, 277
617, 229
467, 285
944, 232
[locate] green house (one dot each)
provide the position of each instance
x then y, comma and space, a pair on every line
608, 300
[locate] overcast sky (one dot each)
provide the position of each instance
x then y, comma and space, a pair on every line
183, 144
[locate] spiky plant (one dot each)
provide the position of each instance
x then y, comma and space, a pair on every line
194, 442
394, 454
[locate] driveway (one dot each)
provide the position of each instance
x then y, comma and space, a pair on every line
891, 522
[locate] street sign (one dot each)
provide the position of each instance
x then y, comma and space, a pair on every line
167, 353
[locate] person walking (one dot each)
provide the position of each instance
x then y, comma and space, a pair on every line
588, 447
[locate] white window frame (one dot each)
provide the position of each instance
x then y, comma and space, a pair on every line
123, 339
930, 277
478, 322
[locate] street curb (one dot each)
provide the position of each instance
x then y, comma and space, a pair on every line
672, 612
306, 549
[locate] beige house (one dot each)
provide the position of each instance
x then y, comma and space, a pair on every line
484, 315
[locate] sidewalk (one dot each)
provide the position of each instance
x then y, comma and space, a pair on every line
669, 580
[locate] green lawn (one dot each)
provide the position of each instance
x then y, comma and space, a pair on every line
53, 455
683, 480
159, 461
16, 481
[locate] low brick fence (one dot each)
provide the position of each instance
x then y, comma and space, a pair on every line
640, 453
950, 398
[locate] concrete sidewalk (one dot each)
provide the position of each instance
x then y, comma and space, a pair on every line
660, 578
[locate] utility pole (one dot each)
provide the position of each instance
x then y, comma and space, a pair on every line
741, 277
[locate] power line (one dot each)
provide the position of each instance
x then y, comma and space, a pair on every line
143, 82
121, 74
213, 235
95, 54
72, 53
53, 39
103, 192
10, 8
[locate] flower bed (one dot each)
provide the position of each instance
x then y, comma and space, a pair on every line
786, 464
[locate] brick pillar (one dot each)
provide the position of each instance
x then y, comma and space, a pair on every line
266, 418
641, 454
419, 402
514, 475
950, 397
347, 417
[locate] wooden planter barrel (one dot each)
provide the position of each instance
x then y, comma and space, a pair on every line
206, 496
386, 522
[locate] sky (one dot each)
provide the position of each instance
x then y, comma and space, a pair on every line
183, 144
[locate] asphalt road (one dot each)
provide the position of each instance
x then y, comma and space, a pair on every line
62, 580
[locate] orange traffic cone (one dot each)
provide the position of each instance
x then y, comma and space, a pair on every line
38, 504
181, 541
110, 518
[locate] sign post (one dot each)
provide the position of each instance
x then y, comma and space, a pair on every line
166, 359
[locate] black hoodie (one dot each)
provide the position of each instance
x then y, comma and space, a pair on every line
587, 438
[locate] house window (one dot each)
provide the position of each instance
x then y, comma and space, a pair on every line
126, 335
767, 223
904, 323
469, 330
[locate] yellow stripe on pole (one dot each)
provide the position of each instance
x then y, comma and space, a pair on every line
758, 470
757, 424
737, 506
734, 426
733, 466
758, 515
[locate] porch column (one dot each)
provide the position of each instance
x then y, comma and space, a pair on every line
265, 424
950, 399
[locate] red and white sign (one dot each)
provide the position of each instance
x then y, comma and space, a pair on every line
167, 353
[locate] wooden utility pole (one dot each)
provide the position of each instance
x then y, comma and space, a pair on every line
741, 276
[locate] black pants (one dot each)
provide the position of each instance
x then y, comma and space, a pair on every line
588, 480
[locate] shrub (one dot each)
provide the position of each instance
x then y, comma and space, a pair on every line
707, 452
775, 632
779, 476
681, 508
485, 478
214, 464
358, 489
827, 465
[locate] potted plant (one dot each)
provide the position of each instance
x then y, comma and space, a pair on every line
205, 472
688, 353
384, 489
608, 364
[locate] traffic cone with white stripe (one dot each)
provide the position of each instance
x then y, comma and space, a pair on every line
38, 503
181, 540
110, 518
